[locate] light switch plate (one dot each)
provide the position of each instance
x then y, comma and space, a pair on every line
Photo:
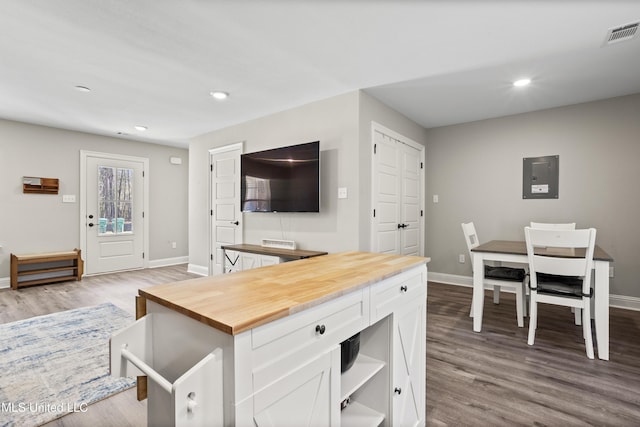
68, 198
342, 193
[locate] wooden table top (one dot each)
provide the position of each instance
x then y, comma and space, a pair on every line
519, 247
279, 252
240, 301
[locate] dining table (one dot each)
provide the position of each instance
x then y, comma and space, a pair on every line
511, 251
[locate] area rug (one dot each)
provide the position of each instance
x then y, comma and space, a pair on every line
57, 364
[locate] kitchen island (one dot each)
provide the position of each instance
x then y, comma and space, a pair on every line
262, 347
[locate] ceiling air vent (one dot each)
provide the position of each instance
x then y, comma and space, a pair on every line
619, 34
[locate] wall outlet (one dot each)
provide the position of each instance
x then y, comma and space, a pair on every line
174, 245
461, 258
610, 271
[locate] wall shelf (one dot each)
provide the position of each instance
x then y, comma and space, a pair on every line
37, 185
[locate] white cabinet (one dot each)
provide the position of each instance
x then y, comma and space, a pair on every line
403, 299
240, 261
408, 376
249, 260
304, 397
287, 372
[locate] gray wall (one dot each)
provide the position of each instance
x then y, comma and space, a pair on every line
334, 123
343, 126
476, 170
35, 223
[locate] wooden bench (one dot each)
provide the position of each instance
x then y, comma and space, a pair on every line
36, 269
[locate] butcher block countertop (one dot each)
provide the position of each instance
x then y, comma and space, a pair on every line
237, 302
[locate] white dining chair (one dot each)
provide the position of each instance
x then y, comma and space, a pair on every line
498, 277
577, 314
569, 293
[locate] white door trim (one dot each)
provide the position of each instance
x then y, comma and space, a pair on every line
84, 154
212, 243
421, 148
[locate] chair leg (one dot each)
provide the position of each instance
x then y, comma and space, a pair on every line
519, 307
471, 308
577, 314
533, 318
586, 327
525, 298
496, 294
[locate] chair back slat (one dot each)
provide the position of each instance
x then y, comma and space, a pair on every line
560, 238
550, 226
560, 266
471, 237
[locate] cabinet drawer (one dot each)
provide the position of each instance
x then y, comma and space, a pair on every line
401, 291
281, 346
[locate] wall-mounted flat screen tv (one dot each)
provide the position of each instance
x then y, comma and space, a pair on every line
285, 179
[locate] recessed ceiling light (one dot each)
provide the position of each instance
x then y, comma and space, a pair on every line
219, 95
82, 89
521, 82
140, 128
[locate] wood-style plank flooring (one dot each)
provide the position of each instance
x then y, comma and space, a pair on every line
492, 378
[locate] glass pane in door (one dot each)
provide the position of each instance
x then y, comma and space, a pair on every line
115, 200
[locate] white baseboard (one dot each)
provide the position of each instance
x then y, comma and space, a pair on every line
5, 282
198, 269
617, 301
168, 261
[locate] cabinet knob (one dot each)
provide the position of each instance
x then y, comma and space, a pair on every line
397, 390
403, 288
320, 329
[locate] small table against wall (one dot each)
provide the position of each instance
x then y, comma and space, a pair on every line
285, 254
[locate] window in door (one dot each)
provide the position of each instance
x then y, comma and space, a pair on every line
115, 200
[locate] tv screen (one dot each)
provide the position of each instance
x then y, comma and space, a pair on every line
285, 179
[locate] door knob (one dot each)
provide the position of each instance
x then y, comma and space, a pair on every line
90, 216
235, 222
90, 224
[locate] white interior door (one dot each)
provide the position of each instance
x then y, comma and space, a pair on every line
113, 212
410, 199
397, 194
226, 218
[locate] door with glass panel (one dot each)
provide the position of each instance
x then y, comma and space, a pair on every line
114, 214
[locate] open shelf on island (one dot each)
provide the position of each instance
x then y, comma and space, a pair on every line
357, 414
363, 369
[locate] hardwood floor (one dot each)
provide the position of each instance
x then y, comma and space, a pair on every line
492, 378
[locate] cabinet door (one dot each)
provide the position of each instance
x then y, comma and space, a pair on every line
249, 260
232, 263
268, 260
409, 372
307, 396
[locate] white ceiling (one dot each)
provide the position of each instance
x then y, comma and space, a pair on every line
154, 62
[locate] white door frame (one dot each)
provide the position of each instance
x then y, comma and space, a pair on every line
84, 154
212, 240
395, 135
